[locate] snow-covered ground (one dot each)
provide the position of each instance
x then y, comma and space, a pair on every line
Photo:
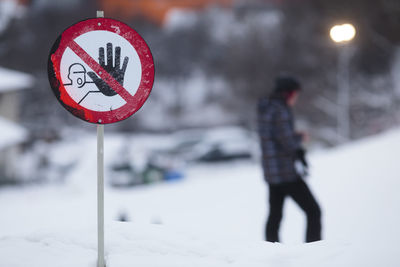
214, 217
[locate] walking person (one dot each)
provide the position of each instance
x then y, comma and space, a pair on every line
281, 147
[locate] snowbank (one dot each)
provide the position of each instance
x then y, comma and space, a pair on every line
152, 245
215, 217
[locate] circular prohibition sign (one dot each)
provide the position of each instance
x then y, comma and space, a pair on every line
101, 70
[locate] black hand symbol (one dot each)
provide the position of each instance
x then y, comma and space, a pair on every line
114, 70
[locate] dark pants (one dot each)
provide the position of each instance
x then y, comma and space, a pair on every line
302, 195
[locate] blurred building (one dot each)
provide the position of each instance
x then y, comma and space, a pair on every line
12, 135
154, 10
11, 84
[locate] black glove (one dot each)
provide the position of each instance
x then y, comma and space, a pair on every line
301, 155
300, 158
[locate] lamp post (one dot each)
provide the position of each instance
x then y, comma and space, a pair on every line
342, 35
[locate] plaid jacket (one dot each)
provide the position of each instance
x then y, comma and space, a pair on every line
279, 142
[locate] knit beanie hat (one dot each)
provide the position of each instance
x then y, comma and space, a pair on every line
286, 84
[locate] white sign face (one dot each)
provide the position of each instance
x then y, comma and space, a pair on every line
101, 70
115, 55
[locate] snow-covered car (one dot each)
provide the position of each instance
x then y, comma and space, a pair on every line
210, 145
135, 163
155, 170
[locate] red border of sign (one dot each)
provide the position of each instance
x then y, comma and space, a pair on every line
66, 39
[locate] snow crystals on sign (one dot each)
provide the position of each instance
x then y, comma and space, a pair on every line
84, 85
101, 70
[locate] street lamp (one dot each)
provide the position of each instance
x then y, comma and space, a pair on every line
342, 35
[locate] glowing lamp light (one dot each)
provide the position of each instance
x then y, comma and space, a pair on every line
342, 33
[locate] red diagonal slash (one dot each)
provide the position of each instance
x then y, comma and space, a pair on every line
102, 73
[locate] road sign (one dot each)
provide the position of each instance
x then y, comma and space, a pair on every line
101, 70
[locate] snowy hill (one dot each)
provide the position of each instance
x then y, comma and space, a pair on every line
214, 217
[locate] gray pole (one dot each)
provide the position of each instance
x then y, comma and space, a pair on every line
100, 194
100, 187
343, 96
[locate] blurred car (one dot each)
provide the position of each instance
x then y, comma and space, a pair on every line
123, 175
212, 145
136, 164
154, 161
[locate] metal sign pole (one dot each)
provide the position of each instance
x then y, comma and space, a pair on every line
66, 54
100, 194
97, 33
100, 187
